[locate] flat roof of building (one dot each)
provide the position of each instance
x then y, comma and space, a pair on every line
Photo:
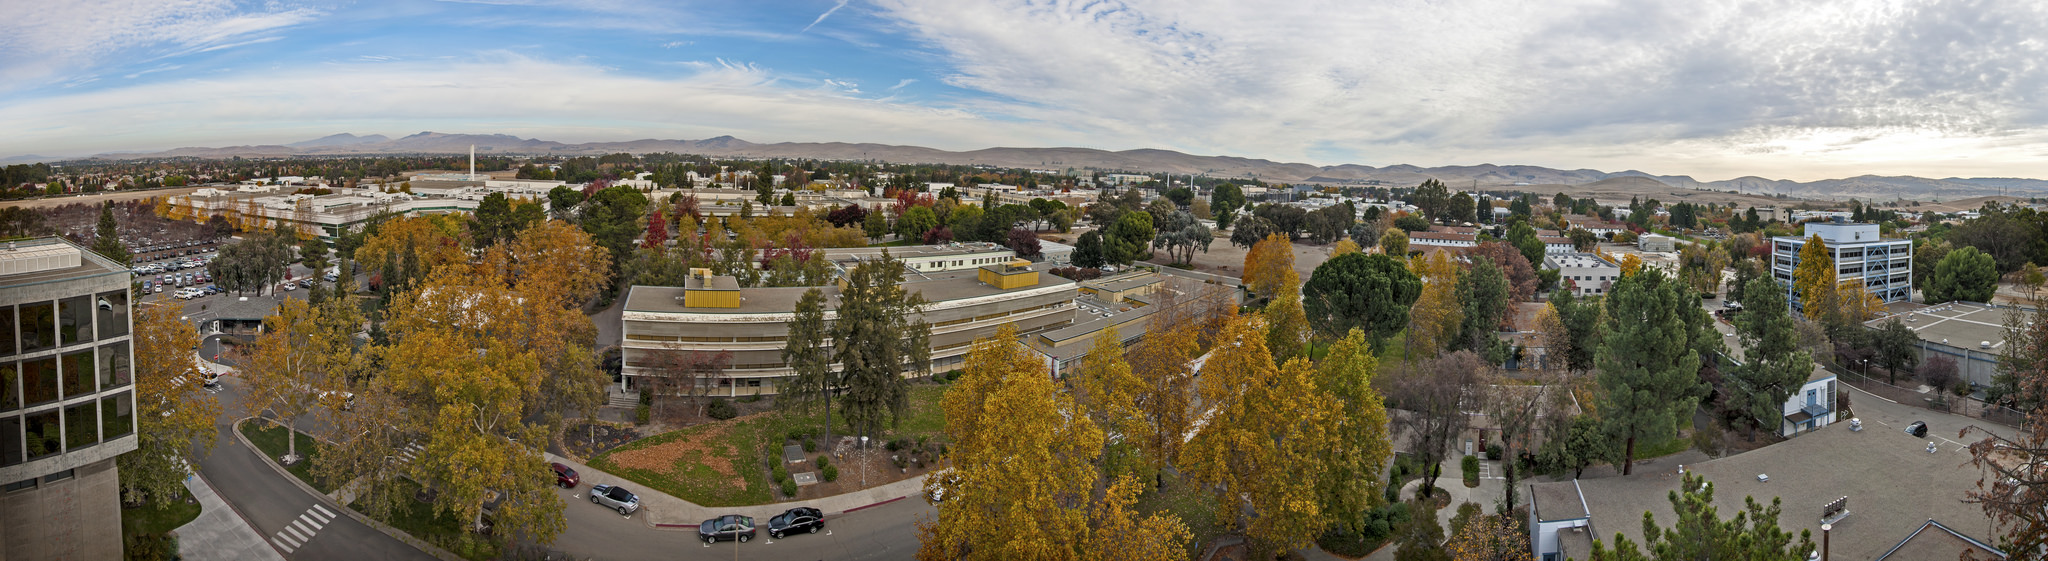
1557, 501
1579, 260
912, 251
89, 264
1811, 470
936, 287
1962, 325
1125, 281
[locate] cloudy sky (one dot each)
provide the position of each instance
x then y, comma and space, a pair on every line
1797, 89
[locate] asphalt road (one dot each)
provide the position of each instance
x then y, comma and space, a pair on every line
882, 532
273, 504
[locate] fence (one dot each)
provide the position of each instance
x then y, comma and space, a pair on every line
1938, 401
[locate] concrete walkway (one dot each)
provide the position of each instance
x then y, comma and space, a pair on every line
219, 533
661, 510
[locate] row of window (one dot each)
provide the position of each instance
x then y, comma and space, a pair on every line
30, 483
37, 381
46, 433
41, 326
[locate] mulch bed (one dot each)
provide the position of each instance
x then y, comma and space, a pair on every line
585, 440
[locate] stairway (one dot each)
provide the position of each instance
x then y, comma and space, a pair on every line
621, 399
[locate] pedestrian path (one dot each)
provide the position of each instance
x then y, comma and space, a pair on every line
219, 533
301, 530
660, 509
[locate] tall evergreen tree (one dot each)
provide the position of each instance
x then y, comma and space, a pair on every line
808, 358
1774, 367
875, 339
1649, 368
106, 239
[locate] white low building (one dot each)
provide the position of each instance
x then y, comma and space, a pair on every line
1588, 274
1813, 406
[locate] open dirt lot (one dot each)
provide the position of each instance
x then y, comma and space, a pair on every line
97, 198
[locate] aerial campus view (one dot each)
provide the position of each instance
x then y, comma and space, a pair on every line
456, 280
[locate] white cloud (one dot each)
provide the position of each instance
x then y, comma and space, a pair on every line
494, 95
1562, 82
827, 14
40, 41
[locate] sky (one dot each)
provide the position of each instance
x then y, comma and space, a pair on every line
1716, 89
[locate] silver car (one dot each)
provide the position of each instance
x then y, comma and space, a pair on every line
618, 498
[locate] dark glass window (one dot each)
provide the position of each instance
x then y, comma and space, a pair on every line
38, 326
117, 415
44, 436
39, 381
111, 309
74, 319
7, 328
115, 367
10, 441
10, 387
81, 425
78, 374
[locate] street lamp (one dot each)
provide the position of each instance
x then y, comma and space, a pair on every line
863, 462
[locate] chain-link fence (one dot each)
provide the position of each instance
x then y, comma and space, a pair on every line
1932, 399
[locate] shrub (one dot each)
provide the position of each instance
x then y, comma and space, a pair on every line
797, 434
789, 488
781, 474
1467, 512
722, 410
811, 446
893, 445
1494, 451
822, 462
646, 398
751, 399
831, 473
1471, 465
641, 414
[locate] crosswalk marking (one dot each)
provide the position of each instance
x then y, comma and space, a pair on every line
323, 512
281, 545
300, 531
288, 540
310, 520
301, 525
294, 531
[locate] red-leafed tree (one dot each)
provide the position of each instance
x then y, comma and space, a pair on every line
1023, 242
906, 199
687, 204
657, 231
938, 235
850, 215
1521, 276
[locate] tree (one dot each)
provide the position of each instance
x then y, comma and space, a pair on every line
1287, 327
173, 415
1583, 443
1490, 538
1775, 367
1108, 390
612, 217
1432, 198
493, 221
1523, 237
1814, 280
1088, 251
1359, 443
1180, 234
1359, 291
1700, 533
1699, 267
1269, 265
2012, 487
1125, 240
1344, 247
1329, 223
1939, 371
1435, 398
1411, 223
878, 335
1286, 219
1649, 370
1483, 291
313, 254
808, 359
1579, 325
1263, 445
1394, 242
1225, 200
106, 239
283, 369
562, 201
1434, 319
912, 224
1926, 255
1165, 382
1250, 231
1521, 277
875, 225
1460, 209
1893, 344
657, 231
1964, 274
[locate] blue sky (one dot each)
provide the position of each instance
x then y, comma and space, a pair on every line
1799, 89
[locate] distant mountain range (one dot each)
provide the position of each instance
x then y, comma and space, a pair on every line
1866, 187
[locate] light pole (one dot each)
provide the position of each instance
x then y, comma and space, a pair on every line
863, 462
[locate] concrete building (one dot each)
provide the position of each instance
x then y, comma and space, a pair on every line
1442, 239
1560, 524
712, 314
1884, 266
1588, 273
1654, 242
1812, 407
67, 407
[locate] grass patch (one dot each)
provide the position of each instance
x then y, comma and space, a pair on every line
269, 438
1667, 447
1191, 504
736, 447
148, 519
438, 528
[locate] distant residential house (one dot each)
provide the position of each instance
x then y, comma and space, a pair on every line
1557, 244
1442, 239
1588, 274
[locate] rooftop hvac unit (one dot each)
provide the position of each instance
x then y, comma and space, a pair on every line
1983, 344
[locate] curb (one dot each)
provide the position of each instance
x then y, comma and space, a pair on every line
395, 533
231, 507
851, 510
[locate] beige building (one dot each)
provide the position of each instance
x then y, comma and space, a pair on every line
67, 400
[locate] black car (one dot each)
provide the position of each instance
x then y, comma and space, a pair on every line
728, 527
1918, 429
799, 519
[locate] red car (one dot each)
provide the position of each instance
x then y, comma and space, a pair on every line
565, 476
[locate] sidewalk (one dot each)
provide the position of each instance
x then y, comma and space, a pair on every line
219, 533
664, 511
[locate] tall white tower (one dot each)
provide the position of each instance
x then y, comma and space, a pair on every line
472, 162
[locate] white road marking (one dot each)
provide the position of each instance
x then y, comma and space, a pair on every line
281, 545
295, 533
330, 515
301, 525
288, 539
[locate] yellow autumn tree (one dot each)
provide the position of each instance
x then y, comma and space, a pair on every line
424, 241
1264, 444
1359, 443
1121, 535
1107, 389
1023, 475
1814, 278
1488, 538
1165, 384
1630, 264
1343, 247
1267, 264
1437, 314
284, 368
173, 416
1287, 328
1856, 304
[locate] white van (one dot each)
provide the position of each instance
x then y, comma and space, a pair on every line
190, 293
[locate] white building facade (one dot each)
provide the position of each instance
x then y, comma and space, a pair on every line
1884, 266
1589, 274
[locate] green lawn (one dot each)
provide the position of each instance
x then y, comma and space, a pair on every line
1648, 450
742, 443
143, 529
420, 520
269, 438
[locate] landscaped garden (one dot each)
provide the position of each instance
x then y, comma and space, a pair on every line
269, 438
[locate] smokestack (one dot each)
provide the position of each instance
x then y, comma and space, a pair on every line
472, 162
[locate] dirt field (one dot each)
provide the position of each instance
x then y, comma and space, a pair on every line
1228, 260
97, 198
1616, 191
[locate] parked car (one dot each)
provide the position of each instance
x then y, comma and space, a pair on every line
799, 519
565, 476
615, 497
1918, 429
728, 527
